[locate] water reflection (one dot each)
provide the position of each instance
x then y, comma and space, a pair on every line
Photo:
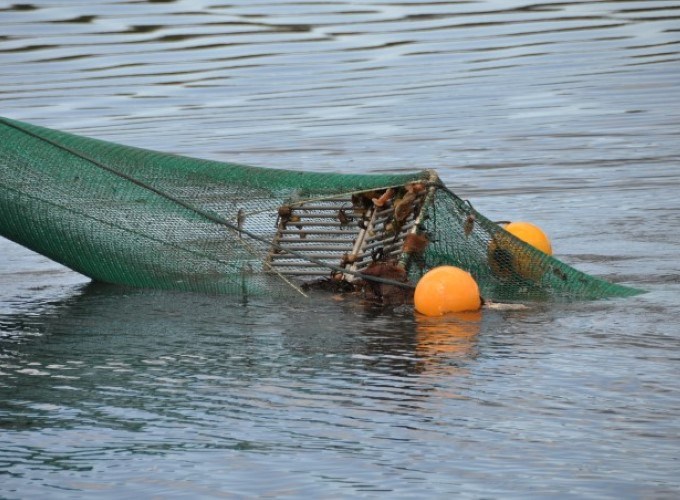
112, 311
151, 373
105, 336
446, 344
453, 334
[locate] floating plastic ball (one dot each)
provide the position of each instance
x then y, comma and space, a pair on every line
531, 234
446, 289
508, 261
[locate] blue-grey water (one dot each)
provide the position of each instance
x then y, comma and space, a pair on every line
565, 114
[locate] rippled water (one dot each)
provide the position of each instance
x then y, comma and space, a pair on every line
562, 113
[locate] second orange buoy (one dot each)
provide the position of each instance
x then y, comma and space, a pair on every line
531, 234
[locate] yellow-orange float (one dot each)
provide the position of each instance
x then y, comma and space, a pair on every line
446, 289
505, 259
531, 234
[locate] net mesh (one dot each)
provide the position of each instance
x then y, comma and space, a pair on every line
506, 268
136, 217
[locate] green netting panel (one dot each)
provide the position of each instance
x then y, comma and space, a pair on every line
142, 218
86, 204
506, 268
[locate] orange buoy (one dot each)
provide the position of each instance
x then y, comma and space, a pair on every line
446, 289
531, 234
507, 260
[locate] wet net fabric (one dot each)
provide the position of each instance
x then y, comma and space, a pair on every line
506, 268
141, 218
130, 216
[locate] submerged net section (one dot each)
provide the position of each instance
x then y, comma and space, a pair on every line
136, 217
506, 268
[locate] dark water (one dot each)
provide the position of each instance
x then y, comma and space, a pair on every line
562, 113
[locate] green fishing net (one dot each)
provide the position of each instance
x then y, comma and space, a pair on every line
142, 218
505, 268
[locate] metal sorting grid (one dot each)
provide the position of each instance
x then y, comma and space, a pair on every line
340, 233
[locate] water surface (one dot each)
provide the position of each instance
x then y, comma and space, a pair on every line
561, 113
